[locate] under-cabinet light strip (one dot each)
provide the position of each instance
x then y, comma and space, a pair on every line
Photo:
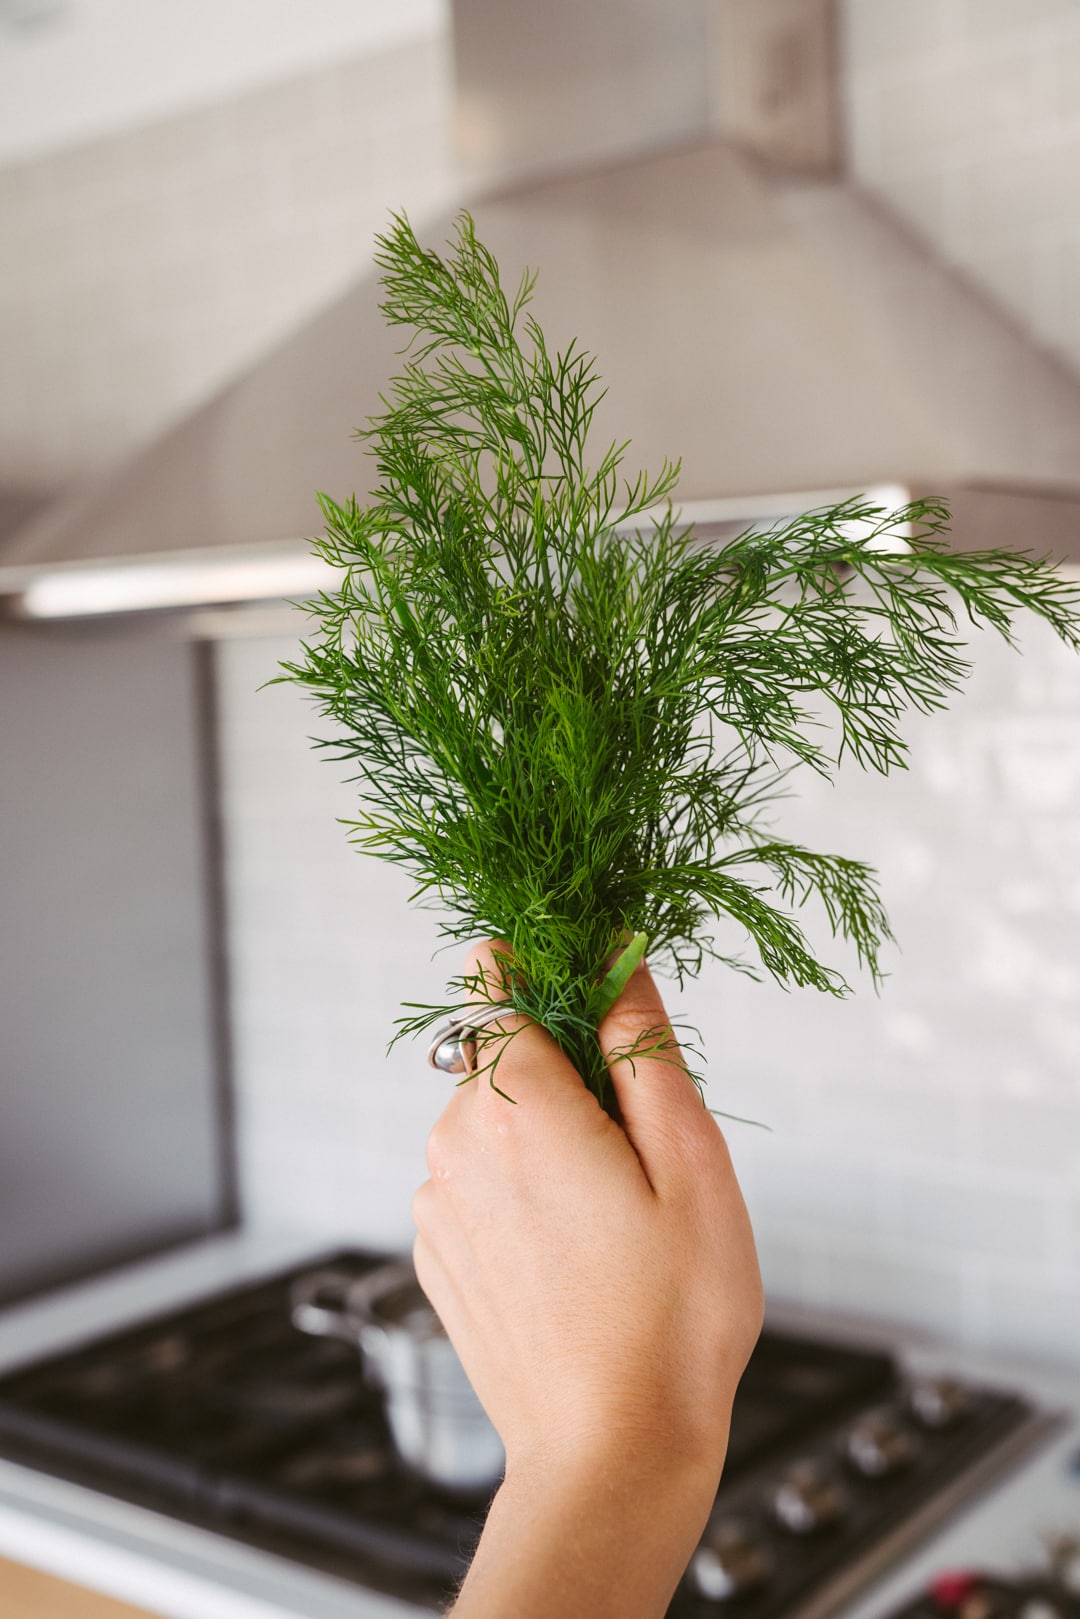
101, 589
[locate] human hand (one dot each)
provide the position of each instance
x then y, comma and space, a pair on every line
598, 1281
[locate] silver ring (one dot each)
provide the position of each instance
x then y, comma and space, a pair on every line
453, 1048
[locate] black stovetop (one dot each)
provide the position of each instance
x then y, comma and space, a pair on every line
226, 1416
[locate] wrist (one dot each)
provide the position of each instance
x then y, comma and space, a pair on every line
638, 1467
646, 1443
591, 1539
619, 1522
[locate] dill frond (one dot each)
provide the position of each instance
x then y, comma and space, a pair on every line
570, 718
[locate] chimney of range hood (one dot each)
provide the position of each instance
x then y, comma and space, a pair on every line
575, 84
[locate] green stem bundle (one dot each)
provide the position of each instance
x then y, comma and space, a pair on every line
569, 718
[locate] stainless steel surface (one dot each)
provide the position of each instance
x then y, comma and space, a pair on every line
778, 334
775, 80
438, 1425
585, 82
574, 82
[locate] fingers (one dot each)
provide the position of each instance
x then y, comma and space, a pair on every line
660, 1106
513, 1053
487, 972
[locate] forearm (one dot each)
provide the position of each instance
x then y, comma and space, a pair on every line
605, 1539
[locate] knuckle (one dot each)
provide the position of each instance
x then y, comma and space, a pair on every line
481, 961
477, 957
641, 1032
437, 1151
422, 1208
640, 1025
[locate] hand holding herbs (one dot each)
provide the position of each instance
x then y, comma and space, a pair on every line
570, 717
601, 1287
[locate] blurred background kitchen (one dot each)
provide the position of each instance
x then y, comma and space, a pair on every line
835, 248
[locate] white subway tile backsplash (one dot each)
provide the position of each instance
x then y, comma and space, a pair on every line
1019, 1313
928, 1292
974, 1213
1031, 1133
783, 1269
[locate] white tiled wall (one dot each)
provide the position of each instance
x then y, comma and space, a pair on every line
923, 1157
964, 115
323, 948
141, 271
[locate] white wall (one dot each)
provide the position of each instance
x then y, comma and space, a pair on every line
924, 1159
322, 947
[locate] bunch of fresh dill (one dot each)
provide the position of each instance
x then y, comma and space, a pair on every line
568, 715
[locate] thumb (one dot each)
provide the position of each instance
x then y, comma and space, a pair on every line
658, 1100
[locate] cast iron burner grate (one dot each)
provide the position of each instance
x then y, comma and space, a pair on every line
226, 1416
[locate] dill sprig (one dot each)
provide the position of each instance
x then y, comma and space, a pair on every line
570, 717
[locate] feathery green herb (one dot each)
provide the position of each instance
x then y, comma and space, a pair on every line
569, 716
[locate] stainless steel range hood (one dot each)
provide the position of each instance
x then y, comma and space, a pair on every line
671, 168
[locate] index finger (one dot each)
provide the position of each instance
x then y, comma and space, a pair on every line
514, 1055
659, 1103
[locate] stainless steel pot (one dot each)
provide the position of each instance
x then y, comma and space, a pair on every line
439, 1428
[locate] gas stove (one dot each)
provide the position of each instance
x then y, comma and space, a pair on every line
223, 1415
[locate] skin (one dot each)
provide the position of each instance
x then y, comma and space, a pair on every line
600, 1284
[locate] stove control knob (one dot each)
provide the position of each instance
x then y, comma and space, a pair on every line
808, 1499
965, 1594
729, 1561
950, 1592
1063, 1559
939, 1402
879, 1445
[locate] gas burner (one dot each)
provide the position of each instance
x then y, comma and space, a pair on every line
278, 1399
161, 1357
363, 1464
227, 1416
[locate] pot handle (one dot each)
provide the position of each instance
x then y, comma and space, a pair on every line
317, 1304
